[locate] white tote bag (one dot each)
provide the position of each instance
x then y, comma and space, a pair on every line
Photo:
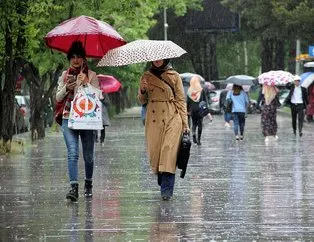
86, 109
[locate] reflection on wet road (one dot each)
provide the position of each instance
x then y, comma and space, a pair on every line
233, 190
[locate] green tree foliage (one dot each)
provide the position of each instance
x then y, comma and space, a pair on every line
26, 22
277, 24
297, 17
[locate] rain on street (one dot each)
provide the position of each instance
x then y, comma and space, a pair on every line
233, 190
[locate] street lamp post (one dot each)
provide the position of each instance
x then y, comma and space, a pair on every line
165, 23
298, 61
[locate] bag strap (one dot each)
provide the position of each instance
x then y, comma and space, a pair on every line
172, 89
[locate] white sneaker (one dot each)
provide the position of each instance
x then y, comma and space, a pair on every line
237, 137
266, 139
227, 125
276, 137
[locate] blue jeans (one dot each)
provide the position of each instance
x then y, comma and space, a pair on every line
71, 138
167, 184
238, 122
227, 117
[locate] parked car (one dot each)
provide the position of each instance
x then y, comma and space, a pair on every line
24, 104
214, 104
283, 93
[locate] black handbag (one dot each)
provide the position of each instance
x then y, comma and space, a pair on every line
184, 153
204, 110
228, 105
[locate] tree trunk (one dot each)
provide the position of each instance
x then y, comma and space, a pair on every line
37, 101
214, 75
267, 55
280, 55
7, 101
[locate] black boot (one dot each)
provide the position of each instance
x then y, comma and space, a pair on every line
88, 188
73, 193
199, 142
194, 139
199, 138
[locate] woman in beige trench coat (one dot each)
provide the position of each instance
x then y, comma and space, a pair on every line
166, 119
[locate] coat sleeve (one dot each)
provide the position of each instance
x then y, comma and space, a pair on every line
180, 101
287, 101
188, 103
94, 79
305, 96
61, 91
142, 97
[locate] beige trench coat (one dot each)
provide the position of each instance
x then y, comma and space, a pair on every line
166, 118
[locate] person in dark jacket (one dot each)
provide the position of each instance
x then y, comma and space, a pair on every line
227, 115
297, 99
195, 95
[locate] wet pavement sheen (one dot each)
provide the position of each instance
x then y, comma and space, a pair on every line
233, 190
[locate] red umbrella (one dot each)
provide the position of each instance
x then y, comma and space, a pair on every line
108, 84
97, 36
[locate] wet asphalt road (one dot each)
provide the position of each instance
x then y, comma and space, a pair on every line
233, 190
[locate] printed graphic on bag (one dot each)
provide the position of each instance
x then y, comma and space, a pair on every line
85, 105
85, 111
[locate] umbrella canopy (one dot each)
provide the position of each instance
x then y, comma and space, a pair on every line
108, 84
241, 80
275, 78
307, 79
97, 36
141, 51
187, 76
309, 64
209, 86
246, 88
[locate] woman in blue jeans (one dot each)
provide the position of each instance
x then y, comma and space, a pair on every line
240, 103
76, 75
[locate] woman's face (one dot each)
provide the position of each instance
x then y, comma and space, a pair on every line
76, 61
158, 63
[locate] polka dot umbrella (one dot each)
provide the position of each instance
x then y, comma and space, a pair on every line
141, 51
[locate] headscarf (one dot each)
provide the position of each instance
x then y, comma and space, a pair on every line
269, 93
195, 89
157, 71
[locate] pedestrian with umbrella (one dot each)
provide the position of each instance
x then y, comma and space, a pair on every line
80, 37
298, 100
269, 112
108, 84
68, 83
166, 119
240, 102
269, 97
195, 95
161, 89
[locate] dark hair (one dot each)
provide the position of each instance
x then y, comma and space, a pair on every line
76, 49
